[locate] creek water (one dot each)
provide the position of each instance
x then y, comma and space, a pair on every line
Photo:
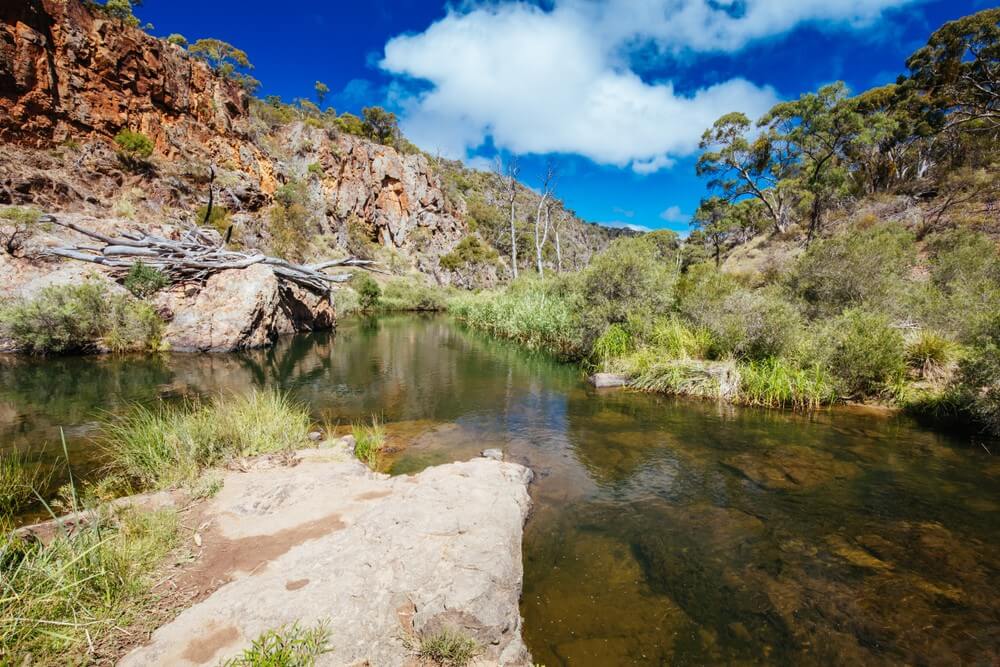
664, 531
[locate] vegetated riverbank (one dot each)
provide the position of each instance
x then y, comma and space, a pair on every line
868, 314
236, 473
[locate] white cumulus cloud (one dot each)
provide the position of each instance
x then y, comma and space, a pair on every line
674, 214
559, 81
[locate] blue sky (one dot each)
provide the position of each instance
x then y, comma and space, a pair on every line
616, 91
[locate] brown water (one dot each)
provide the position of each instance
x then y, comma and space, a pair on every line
664, 531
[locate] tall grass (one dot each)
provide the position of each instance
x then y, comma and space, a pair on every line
20, 479
774, 383
369, 441
56, 599
167, 445
613, 344
705, 379
526, 314
449, 648
676, 340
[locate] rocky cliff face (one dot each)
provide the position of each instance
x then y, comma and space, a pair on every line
70, 79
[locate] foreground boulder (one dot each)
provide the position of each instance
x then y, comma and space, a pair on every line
384, 561
239, 309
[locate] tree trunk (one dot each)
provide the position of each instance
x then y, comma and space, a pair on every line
513, 241
558, 251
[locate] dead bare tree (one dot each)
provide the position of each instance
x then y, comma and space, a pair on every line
194, 257
507, 176
542, 214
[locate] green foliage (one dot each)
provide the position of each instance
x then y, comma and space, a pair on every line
351, 124
369, 441
774, 383
122, 10
67, 318
864, 266
615, 342
412, 296
360, 238
449, 648
177, 40
978, 385
316, 169
929, 353
321, 90
470, 251
965, 283
144, 281
380, 125
287, 646
17, 226
58, 597
219, 220
688, 377
134, 148
346, 302
674, 339
867, 354
226, 60
168, 445
369, 292
20, 480
290, 220
526, 312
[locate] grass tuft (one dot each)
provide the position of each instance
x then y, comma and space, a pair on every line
20, 480
56, 598
167, 445
369, 441
287, 646
774, 383
449, 648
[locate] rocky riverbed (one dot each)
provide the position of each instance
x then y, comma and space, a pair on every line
383, 561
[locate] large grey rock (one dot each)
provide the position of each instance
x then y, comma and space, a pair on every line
239, 309
382, 559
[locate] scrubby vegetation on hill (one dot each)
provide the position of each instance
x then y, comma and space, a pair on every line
848, 251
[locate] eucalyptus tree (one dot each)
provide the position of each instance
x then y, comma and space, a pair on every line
507, 178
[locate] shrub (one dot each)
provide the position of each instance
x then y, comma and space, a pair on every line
144, 281
315, 169
369, 441
58, 597
867, 353
978, 385
351, 124
929, 353
369, 292
676, 340
177, 40
860, 266
162, 446
287, 646
346, 301
360, 238
626, 278
470, 251
689, 377
134, 148
965, 282
219, 220
290, 221
614, 343
449, 648
17, 226
412, 296
66, 318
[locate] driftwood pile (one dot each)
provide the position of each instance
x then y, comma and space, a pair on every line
197, 255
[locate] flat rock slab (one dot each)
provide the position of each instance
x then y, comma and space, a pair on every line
608, 380
383, 560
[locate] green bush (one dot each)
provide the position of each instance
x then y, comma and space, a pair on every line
449, 648
867, 353
614, 343
470, 251
144, 281
290, 221
369, 441
775, 383
929, 353
978, 383
859, 266
676, 340
964, 290
70, 318
134, 148
369, 292
412, 296
17, 226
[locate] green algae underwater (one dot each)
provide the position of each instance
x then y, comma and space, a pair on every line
664, 530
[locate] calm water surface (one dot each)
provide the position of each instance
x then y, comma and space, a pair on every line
664, 531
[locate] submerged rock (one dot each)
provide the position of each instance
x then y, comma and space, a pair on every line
608, 380
383, 560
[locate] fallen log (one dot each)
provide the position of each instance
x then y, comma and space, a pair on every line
196, 256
